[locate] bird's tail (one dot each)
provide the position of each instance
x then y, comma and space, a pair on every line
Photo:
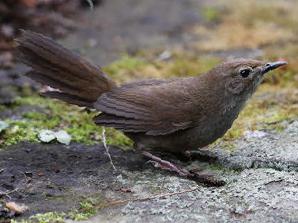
77, 81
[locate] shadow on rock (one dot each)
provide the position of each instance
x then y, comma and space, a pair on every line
55, 177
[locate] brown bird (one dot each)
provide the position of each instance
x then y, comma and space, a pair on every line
173, 115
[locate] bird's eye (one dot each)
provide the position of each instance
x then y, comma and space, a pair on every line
245, 72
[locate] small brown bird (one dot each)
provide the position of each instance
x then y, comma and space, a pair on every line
167, 115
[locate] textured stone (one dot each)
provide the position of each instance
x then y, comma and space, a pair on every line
277, 151
265, 191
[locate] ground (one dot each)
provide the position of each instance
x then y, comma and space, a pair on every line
143, 39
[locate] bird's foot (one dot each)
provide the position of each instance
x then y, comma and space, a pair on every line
202, 155
206, 179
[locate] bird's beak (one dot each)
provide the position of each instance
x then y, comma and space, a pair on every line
272, 65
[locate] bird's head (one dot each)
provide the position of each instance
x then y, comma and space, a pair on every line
242, 76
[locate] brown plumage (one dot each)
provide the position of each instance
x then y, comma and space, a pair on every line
170, 115
79, 81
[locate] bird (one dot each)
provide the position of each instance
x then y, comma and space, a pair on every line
167, 115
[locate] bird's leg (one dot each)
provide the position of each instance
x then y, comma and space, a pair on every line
165, 165
198, 177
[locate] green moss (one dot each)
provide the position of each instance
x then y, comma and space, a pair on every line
88, 208
19, 131
276, 13
188, 66
276, 117
50, 217
181, 64
58, 115
233, 133
2, 107
284, 79
211, 14
19, 221
115, 137
123, 67
126, 62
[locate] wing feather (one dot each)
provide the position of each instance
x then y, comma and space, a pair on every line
153, 108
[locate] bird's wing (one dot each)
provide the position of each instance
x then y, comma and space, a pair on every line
152, 107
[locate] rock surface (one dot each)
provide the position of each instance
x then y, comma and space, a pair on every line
266, 194
261, 195
277, 151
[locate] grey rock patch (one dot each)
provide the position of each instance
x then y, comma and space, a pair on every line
115, 27
258, 195
17, 113
274, 150
7, 95
12, 82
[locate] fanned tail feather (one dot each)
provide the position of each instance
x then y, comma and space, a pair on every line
77, 80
